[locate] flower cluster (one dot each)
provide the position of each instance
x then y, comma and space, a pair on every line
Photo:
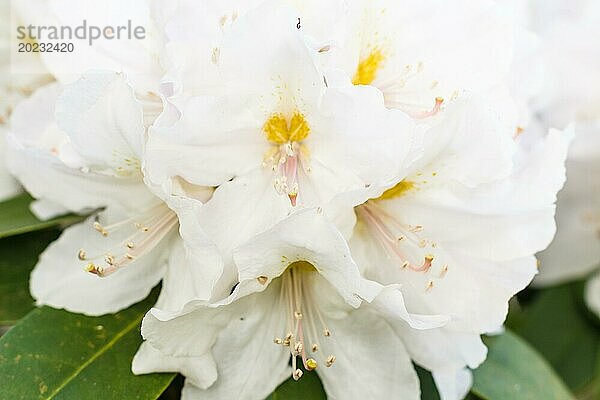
330, 187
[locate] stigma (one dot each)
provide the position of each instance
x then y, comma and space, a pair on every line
287, 154
305, 324
137, 237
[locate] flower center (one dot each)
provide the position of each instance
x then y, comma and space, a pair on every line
287, 152
137, 237
368, 67
304, 320
404, 244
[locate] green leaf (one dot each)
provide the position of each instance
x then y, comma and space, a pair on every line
513, 370
308, 387
18, 256
53, 354
559, 326
428, 388
15, 218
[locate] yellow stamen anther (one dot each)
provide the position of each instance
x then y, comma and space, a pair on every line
100, 229
311, 364
330, 361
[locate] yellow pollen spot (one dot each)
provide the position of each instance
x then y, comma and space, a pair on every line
399, 190
262, 279
278, 130
368, 67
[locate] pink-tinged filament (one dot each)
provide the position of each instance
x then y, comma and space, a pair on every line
372, 215
427, 114
144, 234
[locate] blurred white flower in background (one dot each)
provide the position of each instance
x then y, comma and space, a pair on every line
569, 32
14, 87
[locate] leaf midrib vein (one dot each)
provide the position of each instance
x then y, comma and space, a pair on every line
95, 356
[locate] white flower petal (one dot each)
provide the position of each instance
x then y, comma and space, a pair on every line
39, 153
485, 286
369, 145
8, 185
238, 211
467, 143
371, 360
197, 260
453, 385
390, 302
447, 354
305, 236
201, 371
103, 120
73, 189
214, 141
46, 209
592, 294
239, 336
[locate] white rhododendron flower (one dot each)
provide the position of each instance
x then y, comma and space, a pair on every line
299, 295
571, 93
459, 233
90, 150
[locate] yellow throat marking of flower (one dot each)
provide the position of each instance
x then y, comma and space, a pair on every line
397, 191
278, 130
368, 67
287, 152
